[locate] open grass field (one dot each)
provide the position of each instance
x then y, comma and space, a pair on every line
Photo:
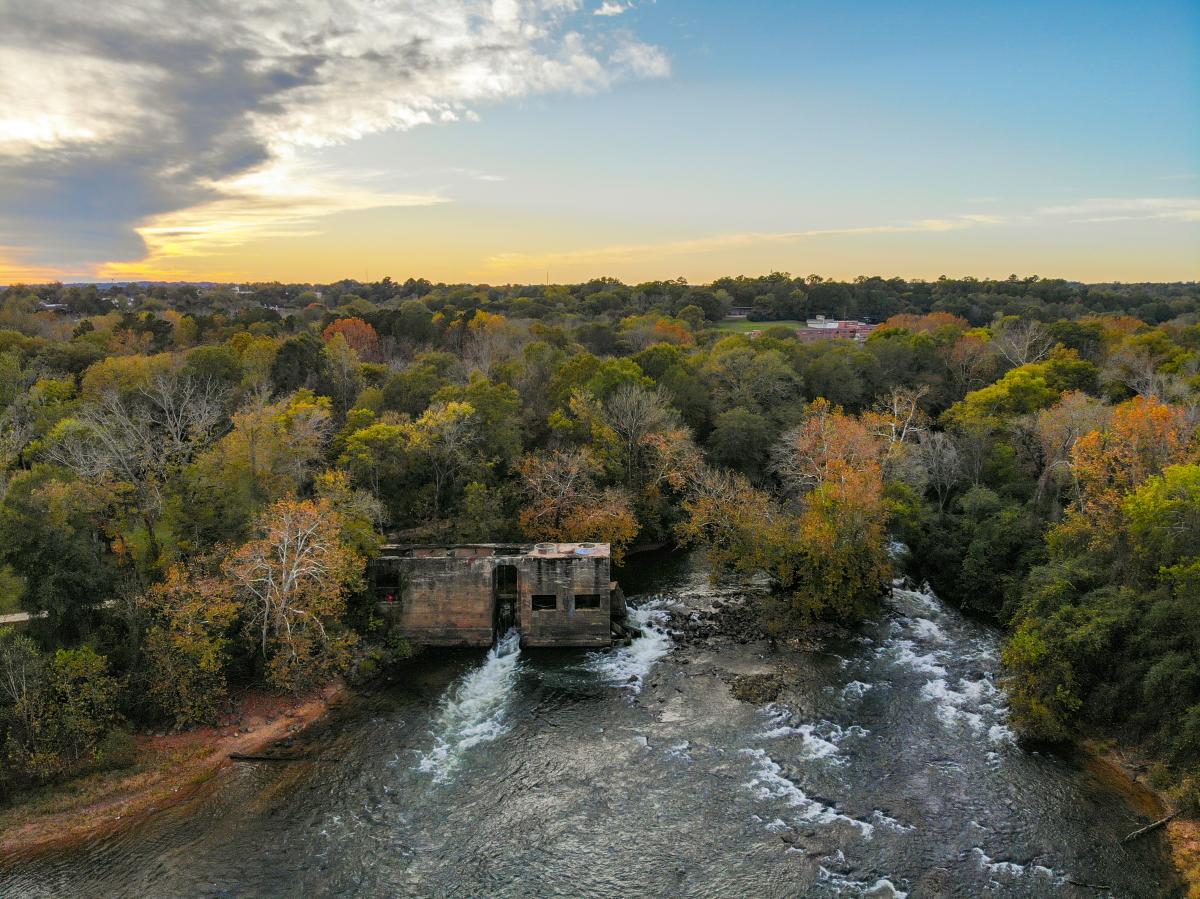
742, 325
10, 594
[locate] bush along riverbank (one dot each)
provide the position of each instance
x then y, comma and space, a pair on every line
133, 776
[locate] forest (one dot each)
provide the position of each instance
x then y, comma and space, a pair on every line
193, 477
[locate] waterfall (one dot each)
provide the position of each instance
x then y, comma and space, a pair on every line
473, 711
627, 666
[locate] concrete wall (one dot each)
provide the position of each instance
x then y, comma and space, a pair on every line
442, 602
565, 579
446, 597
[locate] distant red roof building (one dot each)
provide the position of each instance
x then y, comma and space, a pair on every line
822, 328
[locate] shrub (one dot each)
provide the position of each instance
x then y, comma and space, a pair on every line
117, 750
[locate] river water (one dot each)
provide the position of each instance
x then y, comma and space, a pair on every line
885, 768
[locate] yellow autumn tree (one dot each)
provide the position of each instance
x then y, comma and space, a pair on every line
187, 645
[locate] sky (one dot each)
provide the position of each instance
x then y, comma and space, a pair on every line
519, 141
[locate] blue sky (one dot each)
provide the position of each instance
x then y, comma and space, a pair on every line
674, 138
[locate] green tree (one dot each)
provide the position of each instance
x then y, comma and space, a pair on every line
187, 646
57, 724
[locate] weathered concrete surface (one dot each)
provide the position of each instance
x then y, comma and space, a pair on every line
454, 595
21, 617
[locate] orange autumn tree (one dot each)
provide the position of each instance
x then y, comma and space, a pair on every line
834, 465
843, 531
360, 335
824, 545
565, 504
293, 580
1144, 436
826, 437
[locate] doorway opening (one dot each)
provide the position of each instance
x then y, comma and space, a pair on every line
507, 594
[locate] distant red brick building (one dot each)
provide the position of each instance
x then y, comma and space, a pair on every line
822, 328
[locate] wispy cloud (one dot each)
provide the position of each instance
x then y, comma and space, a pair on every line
283, 199
116, 117
1117, 209
1080, 213
623, 252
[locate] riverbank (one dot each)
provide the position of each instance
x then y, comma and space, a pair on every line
1126, 774
168, 769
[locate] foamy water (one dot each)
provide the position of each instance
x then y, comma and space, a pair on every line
768, 782
848, 886
474, 710
958, 664
628, 666
818, 739
1000, 873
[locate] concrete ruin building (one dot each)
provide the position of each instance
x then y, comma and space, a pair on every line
554, 594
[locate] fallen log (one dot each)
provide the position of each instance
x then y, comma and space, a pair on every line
1086, 885
245, 757
1142, 831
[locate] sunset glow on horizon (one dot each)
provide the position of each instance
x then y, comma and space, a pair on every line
509, 142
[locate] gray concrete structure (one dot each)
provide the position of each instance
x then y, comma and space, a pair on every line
555, 594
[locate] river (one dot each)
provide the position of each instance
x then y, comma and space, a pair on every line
885, 768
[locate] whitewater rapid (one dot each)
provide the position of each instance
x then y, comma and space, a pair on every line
474, 710
628, 666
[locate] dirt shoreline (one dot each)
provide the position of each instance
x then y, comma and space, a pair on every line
1183, 834
170, 768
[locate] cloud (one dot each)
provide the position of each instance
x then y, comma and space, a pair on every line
119, 117
700, 245
45, 104
609, 8
642, 60
283, 199
1113, 209
1082, 212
